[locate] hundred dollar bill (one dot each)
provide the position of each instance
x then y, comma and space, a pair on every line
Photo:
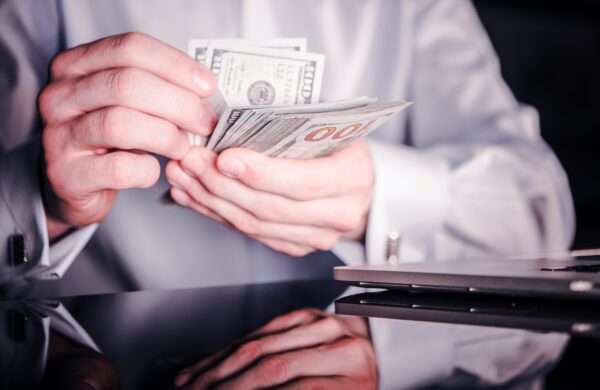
264, 73
267, 101
234, 119
303, 131
323, 133
197, 48
251, 76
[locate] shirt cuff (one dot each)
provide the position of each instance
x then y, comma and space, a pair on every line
63, 253
411, 197
410, 354
22, 211
350, 252
20, 208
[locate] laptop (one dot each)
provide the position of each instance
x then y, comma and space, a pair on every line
572, 275
580, 317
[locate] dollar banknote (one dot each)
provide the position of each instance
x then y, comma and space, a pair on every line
301, 131
257, 76
197, 48
268, 101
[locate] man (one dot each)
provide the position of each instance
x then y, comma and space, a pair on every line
463, 174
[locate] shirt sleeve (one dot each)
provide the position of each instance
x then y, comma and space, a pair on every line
475, 180
28, 39
415, 355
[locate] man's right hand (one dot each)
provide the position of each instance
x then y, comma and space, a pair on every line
108, 105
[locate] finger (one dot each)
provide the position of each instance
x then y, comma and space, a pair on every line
304, 235
329, 176
287, 247
343, 357
292, 319
128, 87
139, 51
279, 324
124, 128
113, 171
183, 199
340, 213
325, 382
322, 331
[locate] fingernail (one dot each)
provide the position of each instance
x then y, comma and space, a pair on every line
195, 163
205, 80
231, 166
207, 119
195, 139
179, 178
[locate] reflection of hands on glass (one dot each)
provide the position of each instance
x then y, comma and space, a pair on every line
290, 205
72, 366
306, 348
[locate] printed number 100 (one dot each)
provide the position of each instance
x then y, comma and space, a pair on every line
353, 130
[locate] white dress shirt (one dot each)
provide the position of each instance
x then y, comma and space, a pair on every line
463, 173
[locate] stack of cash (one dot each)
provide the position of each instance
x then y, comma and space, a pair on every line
268, 100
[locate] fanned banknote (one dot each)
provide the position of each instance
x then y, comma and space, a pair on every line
268, 100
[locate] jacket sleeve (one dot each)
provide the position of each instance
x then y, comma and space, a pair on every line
476, 180
29, 37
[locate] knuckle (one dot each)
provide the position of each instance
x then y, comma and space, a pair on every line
54, 140
128, 43
123, 82
47, 100
351, 343
118, 171
170, 170
270, 209
57, 65
250, 351
274, 369
326, 241
253, 177
111, 121
247, 224
49, 138
213, 184
153, 172
349, 221
298, 251
197, 192
172, 138
333, 325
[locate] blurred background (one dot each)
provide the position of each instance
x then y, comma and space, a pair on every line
550, 57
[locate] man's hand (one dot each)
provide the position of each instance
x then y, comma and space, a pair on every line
108, 105
303, 349
292, 206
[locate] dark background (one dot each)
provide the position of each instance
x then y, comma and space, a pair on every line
550, 57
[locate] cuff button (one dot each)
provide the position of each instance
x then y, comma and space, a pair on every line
17, 249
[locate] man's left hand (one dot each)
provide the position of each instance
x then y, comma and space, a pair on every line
304, 349
290, 205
